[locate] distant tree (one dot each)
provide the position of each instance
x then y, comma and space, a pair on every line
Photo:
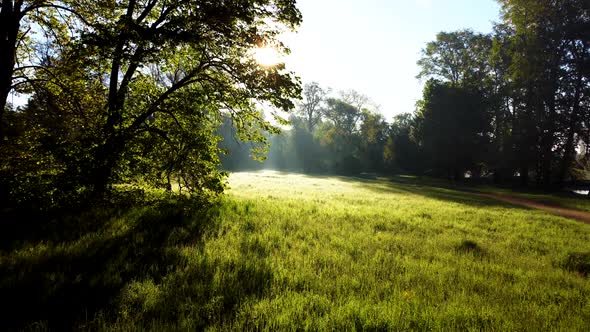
373, 135
312, 106
343, 115
356, 99
238, 154
340, 135
306, 147
401, 152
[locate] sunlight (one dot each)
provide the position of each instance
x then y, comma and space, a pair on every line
266, 56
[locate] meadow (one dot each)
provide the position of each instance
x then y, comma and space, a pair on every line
293, 252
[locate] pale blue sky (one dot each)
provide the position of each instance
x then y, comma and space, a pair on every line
372, 45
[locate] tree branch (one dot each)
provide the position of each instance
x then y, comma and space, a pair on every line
50, 5
146, 11
189, 79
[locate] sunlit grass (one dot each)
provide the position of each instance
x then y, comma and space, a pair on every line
295, 252
384, 255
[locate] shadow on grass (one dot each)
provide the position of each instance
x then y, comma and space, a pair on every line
109, 265
439, 190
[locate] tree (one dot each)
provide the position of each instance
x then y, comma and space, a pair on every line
373, 135
54, 21
312, 107
460, 58
157, 66
450, 128
343, 115
340, 134
196, 43
355, 98
400, 151
450, 118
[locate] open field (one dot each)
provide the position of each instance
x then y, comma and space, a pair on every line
295, 252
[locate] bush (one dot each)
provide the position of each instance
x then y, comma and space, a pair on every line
577, 262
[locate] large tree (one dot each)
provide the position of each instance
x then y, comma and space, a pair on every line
459, 57
155, 69
450, 130
456, 101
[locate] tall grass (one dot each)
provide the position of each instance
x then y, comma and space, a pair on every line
294, 252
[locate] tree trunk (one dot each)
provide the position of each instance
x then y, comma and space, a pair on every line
9, 26
105, 160
524, 176
546, 150
570, 146
168, 182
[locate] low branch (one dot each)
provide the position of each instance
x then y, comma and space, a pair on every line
27, 80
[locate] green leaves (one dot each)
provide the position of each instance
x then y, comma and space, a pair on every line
460, 57
134, 91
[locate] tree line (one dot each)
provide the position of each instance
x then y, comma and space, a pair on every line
340, 134
512, 105
514, 102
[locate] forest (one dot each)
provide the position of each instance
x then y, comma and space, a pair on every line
156, 174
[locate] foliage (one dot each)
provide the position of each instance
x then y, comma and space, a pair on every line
451, 127
401, 151
326, 135
134, 91
459, 57
312, 107
528, 81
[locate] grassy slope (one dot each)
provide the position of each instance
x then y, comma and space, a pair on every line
296, 252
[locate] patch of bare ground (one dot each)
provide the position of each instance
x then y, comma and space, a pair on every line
578, 215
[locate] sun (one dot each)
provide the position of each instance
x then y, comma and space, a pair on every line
266, 56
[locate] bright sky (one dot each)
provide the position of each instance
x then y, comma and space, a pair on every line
372, 45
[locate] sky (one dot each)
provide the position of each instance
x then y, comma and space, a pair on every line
372, 45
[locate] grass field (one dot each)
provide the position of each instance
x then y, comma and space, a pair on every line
294, 252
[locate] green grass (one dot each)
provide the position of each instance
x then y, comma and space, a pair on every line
293, 252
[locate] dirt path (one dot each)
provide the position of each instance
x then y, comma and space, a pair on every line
560, 211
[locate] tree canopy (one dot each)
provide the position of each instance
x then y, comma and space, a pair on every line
142, 86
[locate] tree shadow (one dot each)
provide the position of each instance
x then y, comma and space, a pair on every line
70, 276
438, 190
